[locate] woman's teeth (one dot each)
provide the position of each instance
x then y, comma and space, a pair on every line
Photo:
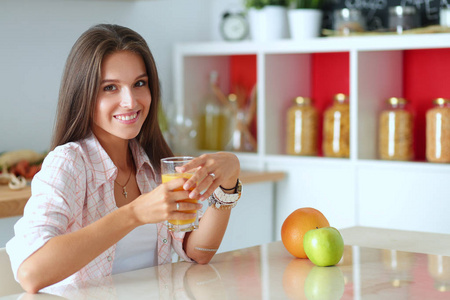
127, 118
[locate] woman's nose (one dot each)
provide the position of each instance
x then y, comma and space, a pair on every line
127, 99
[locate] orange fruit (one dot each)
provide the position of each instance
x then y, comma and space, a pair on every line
296, 225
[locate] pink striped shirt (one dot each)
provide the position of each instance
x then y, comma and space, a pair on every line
75, 188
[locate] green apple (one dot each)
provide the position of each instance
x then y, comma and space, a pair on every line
324, 283
324, 246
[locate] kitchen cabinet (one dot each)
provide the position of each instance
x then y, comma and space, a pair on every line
361, 190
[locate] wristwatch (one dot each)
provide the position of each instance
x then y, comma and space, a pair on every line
229, 198
222, 200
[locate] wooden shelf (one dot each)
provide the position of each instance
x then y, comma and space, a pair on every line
12, 202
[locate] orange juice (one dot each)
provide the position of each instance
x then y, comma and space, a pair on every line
167, 177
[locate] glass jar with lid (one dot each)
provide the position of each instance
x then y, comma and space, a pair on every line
395, 132
438, 131
403, 18
302, 128
336, 128
347, 21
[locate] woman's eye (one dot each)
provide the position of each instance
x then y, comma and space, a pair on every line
140, 83
109, 88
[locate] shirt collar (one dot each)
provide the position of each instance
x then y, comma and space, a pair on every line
104, 168
102, 165
140, 157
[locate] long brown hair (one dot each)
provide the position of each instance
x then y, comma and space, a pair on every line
80, 85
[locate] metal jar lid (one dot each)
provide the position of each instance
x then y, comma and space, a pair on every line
402, 10
302, 100
397, 101
441, 101
347, 13
341, 98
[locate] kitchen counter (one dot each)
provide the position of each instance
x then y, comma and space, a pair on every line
12, 202
269, 272
403, 240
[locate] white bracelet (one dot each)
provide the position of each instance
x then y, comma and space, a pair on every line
225, 198
221, 200
216, 203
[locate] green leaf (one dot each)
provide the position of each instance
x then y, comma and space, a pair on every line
258, 4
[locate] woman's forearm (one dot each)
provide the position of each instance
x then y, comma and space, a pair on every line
201, 244
64, 255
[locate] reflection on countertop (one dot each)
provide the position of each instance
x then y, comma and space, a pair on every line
270, 272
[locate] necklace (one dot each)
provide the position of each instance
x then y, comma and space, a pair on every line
124, 187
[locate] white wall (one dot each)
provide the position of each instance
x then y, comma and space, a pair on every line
36, 37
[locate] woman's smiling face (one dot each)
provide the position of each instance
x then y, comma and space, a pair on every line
123, 99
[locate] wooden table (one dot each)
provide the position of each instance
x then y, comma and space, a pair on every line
12, 202
269, 272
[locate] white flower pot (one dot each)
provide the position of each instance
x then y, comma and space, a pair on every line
269, 23
304, 23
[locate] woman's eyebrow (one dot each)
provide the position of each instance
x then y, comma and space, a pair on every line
116, 80
142, 75
108, 80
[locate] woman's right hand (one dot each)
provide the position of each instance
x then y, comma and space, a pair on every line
161, 203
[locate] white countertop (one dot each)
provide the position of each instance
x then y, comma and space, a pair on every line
373, 267
412, 241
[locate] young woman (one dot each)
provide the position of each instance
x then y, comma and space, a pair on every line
96, 208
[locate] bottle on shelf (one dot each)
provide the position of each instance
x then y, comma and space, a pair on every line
213, 133
242, 114
336, 128
439, 269
395, 132
302, 128
438, 131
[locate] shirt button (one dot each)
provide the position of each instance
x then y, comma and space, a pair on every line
165, 241
109, 258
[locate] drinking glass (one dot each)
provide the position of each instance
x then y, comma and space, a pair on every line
169, 172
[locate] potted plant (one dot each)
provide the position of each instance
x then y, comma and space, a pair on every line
305, 18
258, 4
267, 19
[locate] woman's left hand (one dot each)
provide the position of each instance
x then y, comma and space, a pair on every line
212, 170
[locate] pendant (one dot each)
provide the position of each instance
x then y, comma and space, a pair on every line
124, 192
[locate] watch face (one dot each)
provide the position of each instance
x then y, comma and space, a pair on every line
234, 27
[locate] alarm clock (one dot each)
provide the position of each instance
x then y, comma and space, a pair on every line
234, 26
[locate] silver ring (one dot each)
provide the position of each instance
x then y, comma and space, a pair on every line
178, 206
213, 176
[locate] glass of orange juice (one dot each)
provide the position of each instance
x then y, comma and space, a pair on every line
169, 172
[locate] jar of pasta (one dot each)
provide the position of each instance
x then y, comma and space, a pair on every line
395, 133
438, 131
336, 128
302, 124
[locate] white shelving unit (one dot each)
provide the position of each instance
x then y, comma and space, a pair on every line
361, 190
